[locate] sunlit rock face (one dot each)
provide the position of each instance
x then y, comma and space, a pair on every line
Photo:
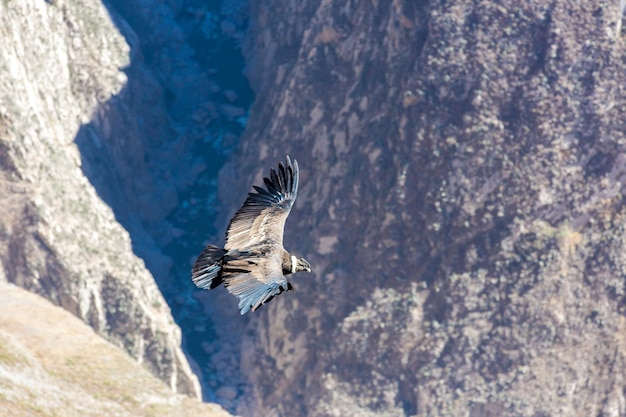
60, 68
462, 171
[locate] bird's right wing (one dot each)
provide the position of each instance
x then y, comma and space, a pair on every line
254, 278
252, 293
262, 216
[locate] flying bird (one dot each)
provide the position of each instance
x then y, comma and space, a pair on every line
253, 263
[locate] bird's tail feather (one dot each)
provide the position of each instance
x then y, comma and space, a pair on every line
206, 272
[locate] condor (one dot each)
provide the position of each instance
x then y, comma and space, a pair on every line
253, 263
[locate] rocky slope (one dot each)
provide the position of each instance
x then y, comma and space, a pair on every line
82, 375
461, 204
60, 65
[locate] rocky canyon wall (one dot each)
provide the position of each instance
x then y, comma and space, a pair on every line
461, 204
61, 65
462, 170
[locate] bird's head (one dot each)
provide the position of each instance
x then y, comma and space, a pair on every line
299, 264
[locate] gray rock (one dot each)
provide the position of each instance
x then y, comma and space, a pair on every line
226, 392
232, 112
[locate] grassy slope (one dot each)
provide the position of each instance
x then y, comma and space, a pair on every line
52, 364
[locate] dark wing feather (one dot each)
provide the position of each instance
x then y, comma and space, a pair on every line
262, 216
206, 269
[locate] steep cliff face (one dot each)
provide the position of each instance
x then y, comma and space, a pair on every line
461, 205
60, 62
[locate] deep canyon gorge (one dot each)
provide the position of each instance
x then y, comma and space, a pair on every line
461, 200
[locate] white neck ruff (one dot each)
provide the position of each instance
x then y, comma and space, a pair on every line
294, 262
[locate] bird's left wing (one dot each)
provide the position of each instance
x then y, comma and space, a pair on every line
262, 216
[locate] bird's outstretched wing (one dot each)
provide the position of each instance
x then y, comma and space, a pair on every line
254, 277
262, 216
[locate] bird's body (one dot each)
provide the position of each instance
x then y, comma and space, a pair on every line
253, 263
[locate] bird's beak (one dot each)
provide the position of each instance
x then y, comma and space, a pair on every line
307, 266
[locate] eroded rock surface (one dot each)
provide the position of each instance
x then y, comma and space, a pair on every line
461, 203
